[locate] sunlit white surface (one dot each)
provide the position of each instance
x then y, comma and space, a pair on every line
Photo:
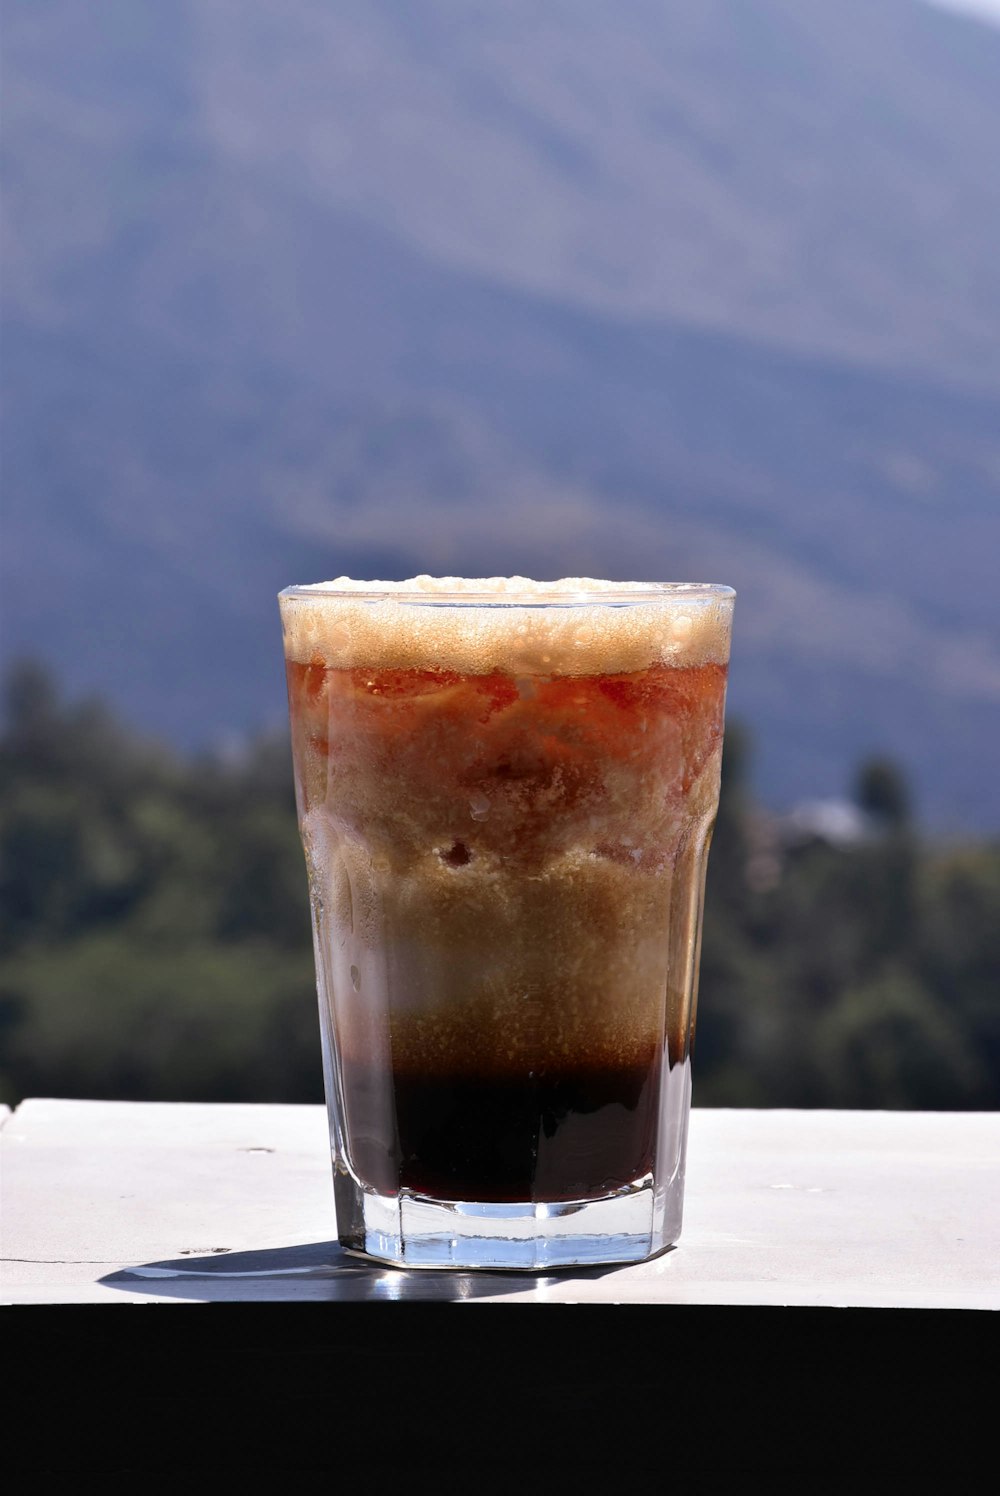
188, 1203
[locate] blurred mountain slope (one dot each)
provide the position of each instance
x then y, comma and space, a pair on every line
813, 173
701, 291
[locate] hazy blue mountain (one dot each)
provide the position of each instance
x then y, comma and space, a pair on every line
696, 291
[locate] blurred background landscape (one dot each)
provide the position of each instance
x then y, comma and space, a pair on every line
667, 289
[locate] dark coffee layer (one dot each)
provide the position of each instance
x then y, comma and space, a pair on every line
566, 1134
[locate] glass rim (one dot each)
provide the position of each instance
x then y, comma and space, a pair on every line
611, 595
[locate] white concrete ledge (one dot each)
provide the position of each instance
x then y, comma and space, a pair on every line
117, 1202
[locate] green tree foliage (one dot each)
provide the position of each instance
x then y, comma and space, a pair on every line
154, 938
882, 792
860, 974
155, 921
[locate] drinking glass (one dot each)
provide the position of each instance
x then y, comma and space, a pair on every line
506, 792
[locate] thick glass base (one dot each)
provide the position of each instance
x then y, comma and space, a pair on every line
414, 1231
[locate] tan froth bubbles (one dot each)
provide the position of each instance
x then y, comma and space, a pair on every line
574, 626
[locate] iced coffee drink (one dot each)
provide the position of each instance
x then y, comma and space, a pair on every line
506, 791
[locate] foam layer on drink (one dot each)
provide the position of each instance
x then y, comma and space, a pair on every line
574, 626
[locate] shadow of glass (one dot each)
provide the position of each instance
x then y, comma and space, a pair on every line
323, 1271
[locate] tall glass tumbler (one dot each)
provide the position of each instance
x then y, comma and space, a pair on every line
506, 793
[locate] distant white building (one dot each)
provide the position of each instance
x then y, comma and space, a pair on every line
839, 823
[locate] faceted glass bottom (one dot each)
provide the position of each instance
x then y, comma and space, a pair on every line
413, 1231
